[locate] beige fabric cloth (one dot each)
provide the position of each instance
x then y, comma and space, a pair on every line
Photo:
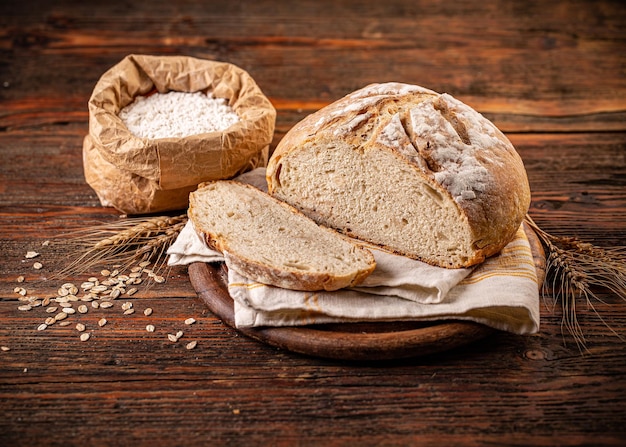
501, 293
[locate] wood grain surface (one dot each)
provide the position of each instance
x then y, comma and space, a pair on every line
551, 75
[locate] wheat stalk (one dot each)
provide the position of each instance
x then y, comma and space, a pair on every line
123, 243
573, 269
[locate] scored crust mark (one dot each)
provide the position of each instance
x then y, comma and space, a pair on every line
457, 124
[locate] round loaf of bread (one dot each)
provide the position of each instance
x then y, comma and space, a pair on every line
408, 169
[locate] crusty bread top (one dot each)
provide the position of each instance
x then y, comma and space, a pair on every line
447, 144
271, 242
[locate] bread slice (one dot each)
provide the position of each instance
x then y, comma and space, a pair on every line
408, 169
270, 242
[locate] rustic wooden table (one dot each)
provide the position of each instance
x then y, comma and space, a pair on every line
551, 75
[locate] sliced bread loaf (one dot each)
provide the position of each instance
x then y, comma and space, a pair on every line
271, 242
408, 169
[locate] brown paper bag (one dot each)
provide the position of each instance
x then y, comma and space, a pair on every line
140, 175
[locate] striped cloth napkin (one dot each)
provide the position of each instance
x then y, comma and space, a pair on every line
502, 292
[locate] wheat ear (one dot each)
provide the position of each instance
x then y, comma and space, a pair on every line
573, 269
123, 243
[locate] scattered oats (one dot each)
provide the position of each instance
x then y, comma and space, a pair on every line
150, 328
99, 289
115, 272
51, 309
172, 338
102, 322
5, 348
72, 298
31, 254
69, 310
144, 263
60, 316
62, 299
129, 311
45, 302
136, 281
20, 279
85, 336
50, 321
86, 298
93, 279
45, 243
159, 279
87, 285
109, 282
134, 274
83, 309
179, 334
131, 291
191, 344
80, 327
135, 270
190, 321
63, 292
37, 265
106, 304
105, 272
42, 327
95, 304
24, 307
35, 302
123, 278
65, 323
20, 291
147, 311
127, 305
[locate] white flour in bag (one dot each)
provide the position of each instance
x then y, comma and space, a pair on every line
177, 115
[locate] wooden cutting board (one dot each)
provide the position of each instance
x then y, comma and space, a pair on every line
350, 341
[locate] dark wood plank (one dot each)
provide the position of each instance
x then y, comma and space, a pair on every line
549, 74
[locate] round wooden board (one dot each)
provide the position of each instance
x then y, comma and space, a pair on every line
350, 341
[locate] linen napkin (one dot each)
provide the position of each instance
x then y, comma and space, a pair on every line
502, 292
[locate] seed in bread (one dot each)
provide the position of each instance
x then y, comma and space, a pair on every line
416, 172
271, 242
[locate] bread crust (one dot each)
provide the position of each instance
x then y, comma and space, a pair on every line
487, 180
282, 276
